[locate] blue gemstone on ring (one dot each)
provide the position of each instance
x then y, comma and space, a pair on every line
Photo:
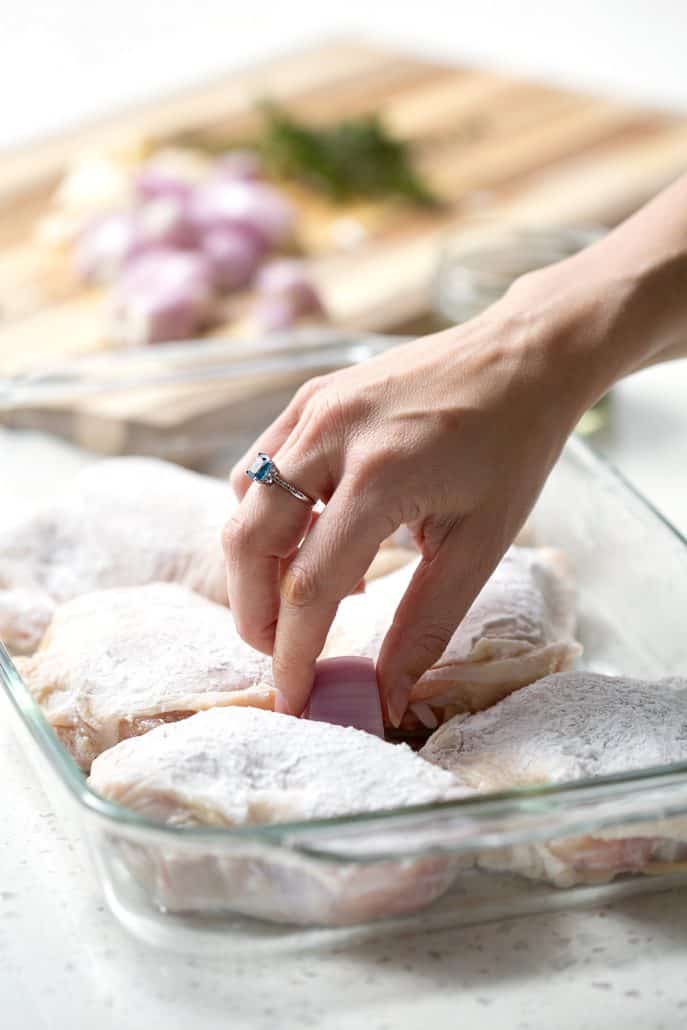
261, 469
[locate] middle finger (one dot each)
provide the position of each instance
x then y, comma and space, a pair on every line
265, 530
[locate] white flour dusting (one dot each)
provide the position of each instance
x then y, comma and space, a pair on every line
115, 661
565, 727
122, 522
231, 766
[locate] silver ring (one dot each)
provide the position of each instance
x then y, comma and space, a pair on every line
263, 470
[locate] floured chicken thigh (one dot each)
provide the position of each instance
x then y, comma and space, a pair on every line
123, 522
520, 628
116, 663
239, 766
567, 727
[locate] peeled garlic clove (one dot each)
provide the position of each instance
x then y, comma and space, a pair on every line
94, 182
345, 693
233, 254
163, 295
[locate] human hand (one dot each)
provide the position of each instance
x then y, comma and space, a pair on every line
453, 435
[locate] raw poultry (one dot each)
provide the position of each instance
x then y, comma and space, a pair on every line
520, 627
233, 767
122, 522
116, 663
568, 727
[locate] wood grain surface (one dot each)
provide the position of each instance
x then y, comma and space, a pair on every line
497, 150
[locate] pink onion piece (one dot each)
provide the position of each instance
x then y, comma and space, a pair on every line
162, 222
273, 314
110, 242
255, 205
346, 694
286, 293
240, 164
233, 254
163, 295
156, 181
103, 246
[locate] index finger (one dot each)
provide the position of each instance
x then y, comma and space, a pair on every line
330, 563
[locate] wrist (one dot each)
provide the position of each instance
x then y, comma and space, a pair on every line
580, 317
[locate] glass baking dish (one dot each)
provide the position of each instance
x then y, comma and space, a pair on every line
427, 867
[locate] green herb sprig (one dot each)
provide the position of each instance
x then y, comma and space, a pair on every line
353, 159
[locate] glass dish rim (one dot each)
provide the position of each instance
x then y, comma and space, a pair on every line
195, 360
519, 800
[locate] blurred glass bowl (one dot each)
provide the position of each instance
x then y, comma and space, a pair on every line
476, 268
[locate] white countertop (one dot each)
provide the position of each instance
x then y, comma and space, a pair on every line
65, 964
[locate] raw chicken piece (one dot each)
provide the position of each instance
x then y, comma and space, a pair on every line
234, 767
123, 522
520, 628
116, 663
566, 727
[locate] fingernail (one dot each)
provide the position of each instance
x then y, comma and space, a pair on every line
396, 704
281, 705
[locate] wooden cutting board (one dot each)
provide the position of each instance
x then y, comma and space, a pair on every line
492, 146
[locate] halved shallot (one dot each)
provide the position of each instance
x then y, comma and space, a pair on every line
345, 693
163, 295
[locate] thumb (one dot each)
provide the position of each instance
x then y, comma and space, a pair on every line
435, 602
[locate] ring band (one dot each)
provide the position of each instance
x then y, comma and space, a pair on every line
263, 470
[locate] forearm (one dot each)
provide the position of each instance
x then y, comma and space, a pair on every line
620, 305
647, 255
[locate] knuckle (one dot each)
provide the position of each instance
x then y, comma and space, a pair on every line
369, 477
313, 427
328, 411
431, 640
316, 413
259, 638
299, 587
372, 467
308, 390
281, 665
237, 535
434, 532
388, 522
